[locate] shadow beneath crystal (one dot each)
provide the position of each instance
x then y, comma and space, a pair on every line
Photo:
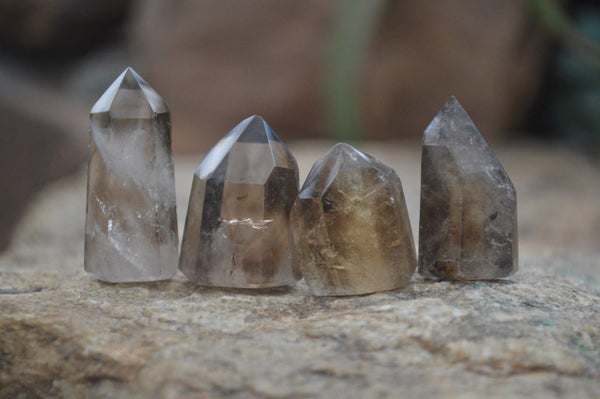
425, 287
177, 285
20, 292
182, 285
151, 285
479, 283
476, 283
271, 291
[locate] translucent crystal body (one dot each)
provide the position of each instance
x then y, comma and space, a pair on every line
350, 226
237, 226
468, 222
131, 222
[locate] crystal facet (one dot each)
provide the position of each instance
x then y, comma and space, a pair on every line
350, 226
131, 221
237, 226
468, 223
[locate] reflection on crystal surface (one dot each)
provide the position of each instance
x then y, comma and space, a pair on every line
350, 226
237, 226
468, 222
131, 223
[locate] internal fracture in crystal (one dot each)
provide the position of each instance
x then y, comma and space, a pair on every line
131, 221
468, 222
237, 227
350, 226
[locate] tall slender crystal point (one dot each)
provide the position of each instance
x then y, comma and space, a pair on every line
131, 221
350, 226
237, 226
468, 224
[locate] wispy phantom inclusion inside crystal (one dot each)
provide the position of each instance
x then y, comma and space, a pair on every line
131, 222
468, 222
237, 226
350, 226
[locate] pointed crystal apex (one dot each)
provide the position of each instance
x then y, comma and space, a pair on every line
468, 221
131, 80
256, 136
323, 173
236, 232
256, 130
452, 126
350, 226
129, 96
131, 223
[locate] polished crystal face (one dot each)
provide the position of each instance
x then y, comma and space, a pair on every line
468, 223
350, 226
237, 226
131, 222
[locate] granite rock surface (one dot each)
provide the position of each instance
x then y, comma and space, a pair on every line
536, 334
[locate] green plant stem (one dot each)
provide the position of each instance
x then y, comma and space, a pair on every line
353, 30
552, 16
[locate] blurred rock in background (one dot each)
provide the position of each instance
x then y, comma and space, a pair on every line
43, 128
58, 27
39, 142
217, 62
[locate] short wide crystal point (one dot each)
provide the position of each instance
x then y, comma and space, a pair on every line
350, 226
131, 221
468, 223
237, 227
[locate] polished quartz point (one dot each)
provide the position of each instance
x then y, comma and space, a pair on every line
350, 226
468, 224
131, 222
237, 227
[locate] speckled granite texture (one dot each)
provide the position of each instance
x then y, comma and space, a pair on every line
536, 334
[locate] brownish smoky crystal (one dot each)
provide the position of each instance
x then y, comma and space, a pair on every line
468, 222
350, 226
237, 226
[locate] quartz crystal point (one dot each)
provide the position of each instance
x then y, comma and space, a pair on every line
468, 224
350, 226
131, 222
237, 227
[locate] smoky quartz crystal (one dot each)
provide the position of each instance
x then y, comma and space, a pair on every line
131, 221
350, 226
468, 222
237, 227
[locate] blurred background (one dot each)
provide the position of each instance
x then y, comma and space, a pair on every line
340, 70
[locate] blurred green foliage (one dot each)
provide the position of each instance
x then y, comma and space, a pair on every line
554, 18
353, 30
574, 109
571, 106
